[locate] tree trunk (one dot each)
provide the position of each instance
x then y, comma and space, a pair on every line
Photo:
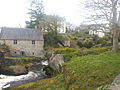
115, 38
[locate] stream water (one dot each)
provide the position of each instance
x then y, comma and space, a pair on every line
7, 81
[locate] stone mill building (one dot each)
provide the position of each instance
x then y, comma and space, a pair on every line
23, 41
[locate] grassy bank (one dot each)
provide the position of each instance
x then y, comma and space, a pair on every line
19, 60
26, 58
81, 73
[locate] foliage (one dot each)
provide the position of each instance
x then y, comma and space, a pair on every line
22, 60
36, 12
80, 33
73, 52
81, 73
50, 23
80, 44
88, 44
68, 52
93, 51
64, 50
84, 40
53, 39
94, 41
39, 20
107, 10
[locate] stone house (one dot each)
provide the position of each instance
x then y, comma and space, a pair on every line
23, 41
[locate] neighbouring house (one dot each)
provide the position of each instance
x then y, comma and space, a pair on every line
23, 41
96, 29
100, 33
62, 28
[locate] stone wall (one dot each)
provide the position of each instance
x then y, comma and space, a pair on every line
25, 47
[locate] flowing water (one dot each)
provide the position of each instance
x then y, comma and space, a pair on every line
7, 81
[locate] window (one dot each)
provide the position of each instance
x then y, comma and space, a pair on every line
33, 41
22, 53
15, 41
33, 53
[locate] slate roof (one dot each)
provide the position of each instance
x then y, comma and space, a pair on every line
20, 34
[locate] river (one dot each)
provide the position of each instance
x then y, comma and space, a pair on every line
7, 81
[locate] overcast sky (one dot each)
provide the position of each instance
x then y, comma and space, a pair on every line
13, 13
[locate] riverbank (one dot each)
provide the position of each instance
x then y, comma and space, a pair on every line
18, 65
81, 73
7, 81
35, 74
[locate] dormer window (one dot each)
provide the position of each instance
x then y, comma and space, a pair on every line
33, 41
15, 41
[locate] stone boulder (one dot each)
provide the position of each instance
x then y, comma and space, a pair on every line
14, 70
55, 62
29, 66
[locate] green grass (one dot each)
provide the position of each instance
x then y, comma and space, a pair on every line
81, 73
20, 58
23, 60
74, 52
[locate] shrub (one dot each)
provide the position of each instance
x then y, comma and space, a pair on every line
64, 50
52, 39
72, 52
101, 50
88, 44
79, 43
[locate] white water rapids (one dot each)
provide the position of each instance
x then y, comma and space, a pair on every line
7, 81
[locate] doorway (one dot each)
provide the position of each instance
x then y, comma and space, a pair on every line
22, 53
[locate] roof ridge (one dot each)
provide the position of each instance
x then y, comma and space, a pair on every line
21, 34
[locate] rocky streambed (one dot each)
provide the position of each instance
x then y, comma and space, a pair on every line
35, 73
17, 72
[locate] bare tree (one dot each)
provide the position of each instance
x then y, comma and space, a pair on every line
50, 23
107, 11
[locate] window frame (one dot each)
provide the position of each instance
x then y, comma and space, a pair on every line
33, 53
33, 41
15, 41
